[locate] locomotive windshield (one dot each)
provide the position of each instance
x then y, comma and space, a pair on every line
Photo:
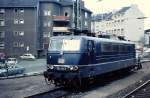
64, 45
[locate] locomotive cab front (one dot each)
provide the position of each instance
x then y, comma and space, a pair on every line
63, 59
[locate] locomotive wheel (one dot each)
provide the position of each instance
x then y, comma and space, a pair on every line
128, 70
48, 82
80, 84
84, 83
76, 83
57, 84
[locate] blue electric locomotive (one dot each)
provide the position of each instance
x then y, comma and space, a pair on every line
75, 59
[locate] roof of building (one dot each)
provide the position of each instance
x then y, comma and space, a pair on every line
23, 3
34, 3
123, 10
18, 3
108, 16
66, 3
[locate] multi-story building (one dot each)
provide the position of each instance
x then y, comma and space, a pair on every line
147, 37
27, 25
126, 23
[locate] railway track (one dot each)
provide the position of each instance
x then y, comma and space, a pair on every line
55, 93
142, 91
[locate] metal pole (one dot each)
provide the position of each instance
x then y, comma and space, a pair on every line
6, 67
73, 16
77, 11
80, 14
76, 14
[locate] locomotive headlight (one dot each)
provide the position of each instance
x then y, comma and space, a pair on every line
50, 66
73, 68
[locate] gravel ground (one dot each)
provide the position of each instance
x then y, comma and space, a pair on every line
22, 87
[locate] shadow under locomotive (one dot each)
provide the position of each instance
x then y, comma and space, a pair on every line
76, 61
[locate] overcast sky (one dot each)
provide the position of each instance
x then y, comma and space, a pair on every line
97, 6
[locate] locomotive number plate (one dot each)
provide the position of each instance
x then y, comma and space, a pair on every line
61, 68
61, 61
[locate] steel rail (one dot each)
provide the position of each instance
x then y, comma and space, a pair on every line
136, 89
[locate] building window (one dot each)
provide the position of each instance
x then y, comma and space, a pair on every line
21, 33
97, 26
18, 44
46, 34
15, 33
21, 44
66, 13
106, 24
47, 13
86, 15
86, 23
2, 45
2, 34
122, 31
122, 21
2, 11
118, 31
21, 10
18, 33
15, 10
21, 21
15, 44
2, 22
47, 24
118, 21
115, 31
16, 21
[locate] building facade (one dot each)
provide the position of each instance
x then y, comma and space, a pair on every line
147, 37
27, 25
126, 23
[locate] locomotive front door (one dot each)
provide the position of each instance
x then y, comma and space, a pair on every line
91, 51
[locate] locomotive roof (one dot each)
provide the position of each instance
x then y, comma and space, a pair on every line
92, 38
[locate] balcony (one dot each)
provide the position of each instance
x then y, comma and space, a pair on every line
61, 18
61, 29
